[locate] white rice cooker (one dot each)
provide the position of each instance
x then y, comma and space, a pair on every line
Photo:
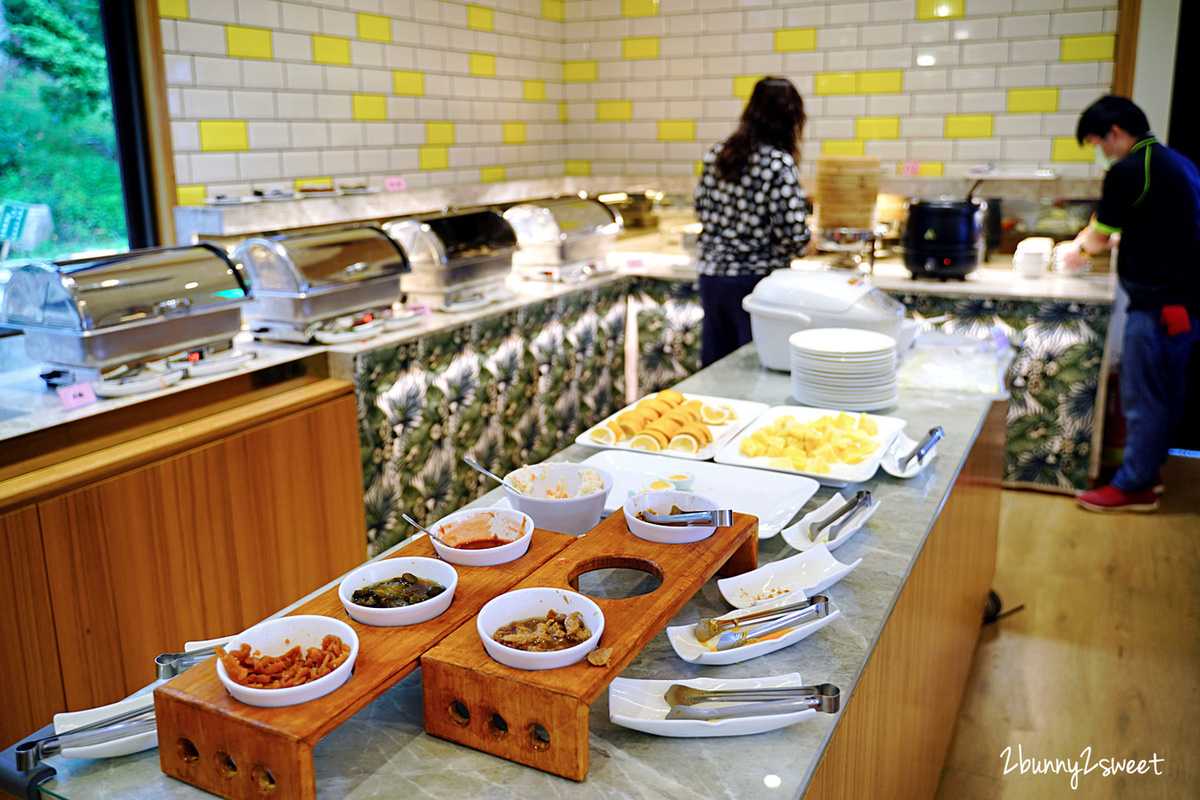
790, 300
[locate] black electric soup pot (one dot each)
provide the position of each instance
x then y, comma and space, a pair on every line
942, 237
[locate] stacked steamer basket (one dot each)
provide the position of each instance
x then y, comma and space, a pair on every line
844, 368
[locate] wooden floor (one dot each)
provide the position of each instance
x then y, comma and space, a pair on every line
1105, 655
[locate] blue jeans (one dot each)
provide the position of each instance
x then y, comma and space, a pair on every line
1153, 381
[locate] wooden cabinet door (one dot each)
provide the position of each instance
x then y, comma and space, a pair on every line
29, 674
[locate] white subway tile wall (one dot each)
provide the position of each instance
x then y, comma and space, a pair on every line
283, 93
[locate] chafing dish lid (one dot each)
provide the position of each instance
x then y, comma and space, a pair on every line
562, 219
89, 294
444, 237
303, 262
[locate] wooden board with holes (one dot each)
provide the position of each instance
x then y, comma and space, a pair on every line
208, 739
540, 718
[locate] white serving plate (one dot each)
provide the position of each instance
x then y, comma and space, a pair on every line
797, 535
839, 474
640, 705
686, 646
746, 410
903, 445
69, 721
772, 497
796, 577
841, 342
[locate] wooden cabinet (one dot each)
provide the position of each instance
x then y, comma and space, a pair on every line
247, 510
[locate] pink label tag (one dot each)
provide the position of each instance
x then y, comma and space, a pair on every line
420, 308
394, 184
910, 168
76, 395
635, 263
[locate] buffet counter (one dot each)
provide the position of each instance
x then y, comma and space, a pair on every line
900, 652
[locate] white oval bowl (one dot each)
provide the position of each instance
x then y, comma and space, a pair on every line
660, 502
571, 515
274, 637
490, 556
430, 569
522, 604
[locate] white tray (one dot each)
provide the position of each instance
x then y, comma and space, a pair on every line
746, 410
796, 577
683, 637
773, 498
839, 474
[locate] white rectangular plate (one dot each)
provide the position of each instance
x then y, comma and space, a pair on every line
746, 411
640, 705
839, 474
773, 498
803, 575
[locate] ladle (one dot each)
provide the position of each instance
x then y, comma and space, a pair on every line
425, 530
480, 467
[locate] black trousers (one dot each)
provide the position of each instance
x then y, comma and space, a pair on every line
726, 323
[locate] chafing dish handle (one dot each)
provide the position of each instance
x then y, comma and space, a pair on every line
24, 784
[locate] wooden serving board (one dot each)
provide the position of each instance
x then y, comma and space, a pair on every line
242, 752
540, 718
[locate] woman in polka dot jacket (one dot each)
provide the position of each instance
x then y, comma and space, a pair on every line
753, 210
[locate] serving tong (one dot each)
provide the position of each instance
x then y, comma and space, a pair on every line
823, 697
709, 627
720, 518
773, 619
922, 449
838, 520
128, 723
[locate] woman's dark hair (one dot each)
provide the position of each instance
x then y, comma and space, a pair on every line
774, 116
1098, 118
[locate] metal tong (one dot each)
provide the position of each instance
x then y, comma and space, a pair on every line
838, 519
817, 607
130, 723
711, 626
824, 697
720, 518
922, 449
168, 665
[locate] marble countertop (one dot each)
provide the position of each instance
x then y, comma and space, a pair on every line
382, 752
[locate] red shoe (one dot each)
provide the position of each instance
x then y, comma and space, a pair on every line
1110, 498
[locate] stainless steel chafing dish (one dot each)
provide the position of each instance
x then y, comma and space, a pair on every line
100, 313
564, 239
460, 259
328, 286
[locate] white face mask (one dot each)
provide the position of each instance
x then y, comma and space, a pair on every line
1103, 161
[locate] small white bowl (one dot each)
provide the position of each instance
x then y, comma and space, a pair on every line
572, 515
660, 502
522, 604
274, 637
431, 569
487, 557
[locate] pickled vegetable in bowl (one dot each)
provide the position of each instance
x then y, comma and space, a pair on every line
545, 482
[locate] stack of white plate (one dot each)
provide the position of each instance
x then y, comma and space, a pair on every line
843, 368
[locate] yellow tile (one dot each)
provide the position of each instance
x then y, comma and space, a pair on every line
842, 147
579, 71
968, 126
331, 50
217, 135
190, 195
483, 65
698, 168
554, 10
940, 9
635, 47
676, 130
408, 82
243, 42
930, 168
173, 9
562, 111
492, 174
313, 183
639, 8
835, 83
743, 85
370, 107
1068, 148
434, 157
1032, 101
514, 133
877, 128
374, 28
795, 40
577, 168
439, 133
884, 81
1087, 48
614, 110
480, 18
535, 91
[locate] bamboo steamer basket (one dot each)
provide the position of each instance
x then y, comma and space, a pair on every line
846, 192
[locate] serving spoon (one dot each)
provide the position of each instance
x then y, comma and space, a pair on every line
481, 468
425, 530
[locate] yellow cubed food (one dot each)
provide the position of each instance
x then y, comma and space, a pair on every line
852, 458
751, 448
826, 452
869, 447
800, 463
780, 462
823, 422
844, 421
775, 450
858, 436
818, 465
867, 423
760, 436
